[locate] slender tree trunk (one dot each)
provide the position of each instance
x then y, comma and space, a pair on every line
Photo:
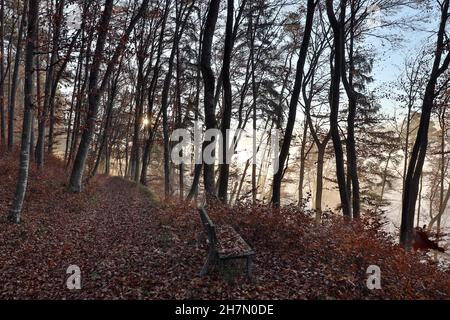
80, 98
151, 97
164, 107
179, 27
226, 114
319, 181
443, 169
338, 45
276, 188
241, 183
352, 164
78, 89
95, 90
179, 122
77, 120
406, 148
321, 148
209, 83
254, 101
420, 201
198, 166
72, 102
385, 172
127, 162
93, 99
55, 82
51, 128
22, 181
48, 86
142, 55
2, 74
109, 115
15, 78
302, 163
237, 24
418, 154
440, 212
138, 116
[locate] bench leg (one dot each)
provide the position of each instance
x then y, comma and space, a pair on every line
221, 266
200, 239
208, 260
249, 267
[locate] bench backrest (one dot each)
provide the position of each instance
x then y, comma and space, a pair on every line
208, 225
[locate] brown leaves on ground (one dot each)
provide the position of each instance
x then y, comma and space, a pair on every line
230, 243
127, 248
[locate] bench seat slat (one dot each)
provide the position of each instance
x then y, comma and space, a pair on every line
230, 243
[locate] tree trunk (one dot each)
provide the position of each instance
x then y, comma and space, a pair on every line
420, 201
276, 188
383, 183
441, 210
302, 163
15, 78
179, 122
78, 89
109, 115
338, 45
241, 183
151, 97
226, 114
179, 28
443, 170
48, 85
198, 166
93, 99
2, 74
209, 83
254, 101
418, 154
22, 181
237, 23
352, 165
95, 90
138, 116
319, 181
164, 107
406, 148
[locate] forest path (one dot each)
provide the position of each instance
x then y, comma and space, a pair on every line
111, 231
116, 243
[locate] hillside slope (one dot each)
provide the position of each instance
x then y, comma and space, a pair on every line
126, 247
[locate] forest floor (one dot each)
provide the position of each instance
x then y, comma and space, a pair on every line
128, 246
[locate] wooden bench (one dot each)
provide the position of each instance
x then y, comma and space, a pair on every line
224, 243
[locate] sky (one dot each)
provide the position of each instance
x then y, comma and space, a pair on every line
390, 57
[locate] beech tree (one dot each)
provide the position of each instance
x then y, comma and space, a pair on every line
2, 74
95, 90
15, 75
183, 12
293, 103
338, 26
209, 84
22, 180
440, 65
49, 83
226, 114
